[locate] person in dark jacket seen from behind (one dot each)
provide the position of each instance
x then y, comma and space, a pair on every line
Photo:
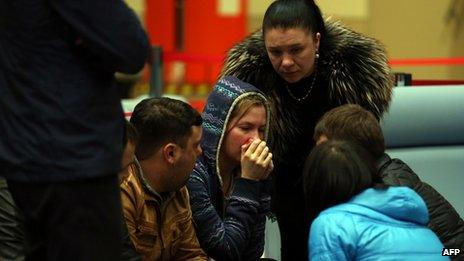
358, 216
298, 61
354, 123
61, 121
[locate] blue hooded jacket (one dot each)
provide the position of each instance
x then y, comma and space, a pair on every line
227, 228
376, 224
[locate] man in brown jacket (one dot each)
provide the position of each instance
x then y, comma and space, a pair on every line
154, 197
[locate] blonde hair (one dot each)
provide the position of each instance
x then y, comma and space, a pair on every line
244, 105
239, 108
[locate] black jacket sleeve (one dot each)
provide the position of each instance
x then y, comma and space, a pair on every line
444, 219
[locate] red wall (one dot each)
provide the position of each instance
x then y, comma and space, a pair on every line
206, 33
159, 22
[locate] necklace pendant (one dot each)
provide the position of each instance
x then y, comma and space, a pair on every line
301, 99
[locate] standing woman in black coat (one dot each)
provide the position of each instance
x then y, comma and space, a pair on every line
306, 66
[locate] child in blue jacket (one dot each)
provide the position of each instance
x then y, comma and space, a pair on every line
359, 217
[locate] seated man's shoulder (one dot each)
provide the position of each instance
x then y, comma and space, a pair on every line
182, 199
397, 172
183, 191
131, 182
132, 191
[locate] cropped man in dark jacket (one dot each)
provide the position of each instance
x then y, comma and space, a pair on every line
61, 120
444, 220
353, 123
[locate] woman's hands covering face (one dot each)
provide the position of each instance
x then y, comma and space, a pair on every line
256, 160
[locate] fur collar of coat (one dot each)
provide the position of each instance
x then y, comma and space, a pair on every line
353, 68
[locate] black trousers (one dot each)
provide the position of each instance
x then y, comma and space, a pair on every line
76, 220
293, 227
288, 204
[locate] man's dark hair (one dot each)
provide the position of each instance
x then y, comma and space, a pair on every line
334, 172
353, 123
162, 120
130, 134
288, 14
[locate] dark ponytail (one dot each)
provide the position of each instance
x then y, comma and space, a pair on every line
294, 13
